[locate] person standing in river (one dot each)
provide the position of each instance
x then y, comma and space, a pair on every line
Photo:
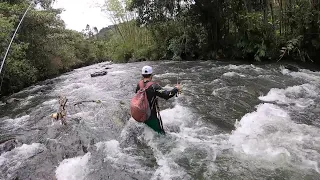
154, 90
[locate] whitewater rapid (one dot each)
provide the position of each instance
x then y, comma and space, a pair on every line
230, 122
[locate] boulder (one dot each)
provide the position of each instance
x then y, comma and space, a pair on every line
11, 100
102, 73
291, 68
8, 145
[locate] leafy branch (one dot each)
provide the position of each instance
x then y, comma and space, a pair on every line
294, 46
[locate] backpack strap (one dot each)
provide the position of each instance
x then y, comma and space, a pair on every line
149, 84
141, 84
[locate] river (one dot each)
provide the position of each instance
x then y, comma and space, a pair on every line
231, 121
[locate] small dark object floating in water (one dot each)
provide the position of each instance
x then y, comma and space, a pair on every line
99, 74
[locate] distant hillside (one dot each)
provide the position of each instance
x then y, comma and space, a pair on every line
105, 32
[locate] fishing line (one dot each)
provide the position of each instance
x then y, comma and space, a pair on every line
14, 34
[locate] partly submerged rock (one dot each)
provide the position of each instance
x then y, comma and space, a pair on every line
291, 68
11, 100
7, 145
102, 73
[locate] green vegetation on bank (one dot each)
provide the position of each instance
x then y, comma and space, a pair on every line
43, 48
214, 29
264, 30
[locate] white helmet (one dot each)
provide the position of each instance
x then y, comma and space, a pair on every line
146, 70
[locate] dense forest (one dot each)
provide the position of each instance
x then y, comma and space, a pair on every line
260, 30
43, 47
255, 30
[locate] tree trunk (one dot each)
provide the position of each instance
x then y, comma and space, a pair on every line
281, 18
265, 12
272, 14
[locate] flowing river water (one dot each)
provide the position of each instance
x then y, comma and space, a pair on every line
231, 121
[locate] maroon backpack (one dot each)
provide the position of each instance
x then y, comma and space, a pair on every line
140, 108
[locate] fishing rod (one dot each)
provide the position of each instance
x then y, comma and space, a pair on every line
13, 36
185, 49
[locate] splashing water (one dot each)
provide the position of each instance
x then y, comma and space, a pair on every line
230, 122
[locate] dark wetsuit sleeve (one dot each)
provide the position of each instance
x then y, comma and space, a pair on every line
137, 88
160, 92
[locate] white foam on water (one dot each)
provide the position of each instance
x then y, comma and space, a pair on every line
302, 74
82, 114
170, 62
175, 115
26, 101
17, 122
168, 87
165, 75
306, 76
114, 155
83, 91
168, 168
74, 168
216, 91
111, 150
50, 102
117, 72
12, 160
30, 89
270, 135
302, 96
240, 67
233, 67
285, 71
30, 97
79, 89
232, 74
216, 81
191, 135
